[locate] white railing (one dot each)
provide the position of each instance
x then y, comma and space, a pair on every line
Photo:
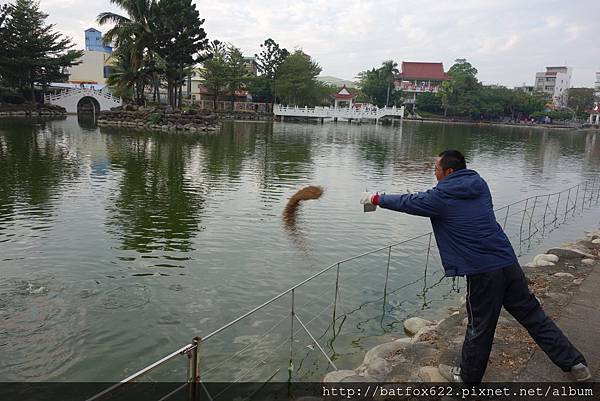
419, 88
80, 91
333, 112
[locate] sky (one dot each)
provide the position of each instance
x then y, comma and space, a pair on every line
508, 41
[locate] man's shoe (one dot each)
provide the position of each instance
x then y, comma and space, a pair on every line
580, 372
450, 373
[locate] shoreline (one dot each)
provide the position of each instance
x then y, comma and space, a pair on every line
511, 125
415, 358
31, 111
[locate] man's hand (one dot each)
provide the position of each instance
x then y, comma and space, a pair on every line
369, 198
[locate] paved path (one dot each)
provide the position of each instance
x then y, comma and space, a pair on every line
580, 321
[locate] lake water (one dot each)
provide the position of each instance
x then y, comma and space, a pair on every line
119, 246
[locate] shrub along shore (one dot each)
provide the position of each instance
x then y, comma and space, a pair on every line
31, 110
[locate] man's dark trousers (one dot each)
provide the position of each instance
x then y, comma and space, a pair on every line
486, 294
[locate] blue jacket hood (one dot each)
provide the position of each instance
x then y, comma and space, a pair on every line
462, 184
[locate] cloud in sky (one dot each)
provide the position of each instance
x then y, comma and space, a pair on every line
508, 41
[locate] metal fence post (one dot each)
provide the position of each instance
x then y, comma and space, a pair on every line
583, 198
556, 210
545, 212
337, 288
522, 221
531, 218
506, 217
425, 273
193, 369
292, 318
576, 199
567, 205
387, 274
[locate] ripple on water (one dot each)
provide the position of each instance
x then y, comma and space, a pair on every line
127, 297
37, 320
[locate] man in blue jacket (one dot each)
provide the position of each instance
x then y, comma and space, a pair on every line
473, 244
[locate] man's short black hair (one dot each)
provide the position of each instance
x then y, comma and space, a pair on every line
452, 159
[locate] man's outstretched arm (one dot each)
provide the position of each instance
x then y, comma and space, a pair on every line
426, 204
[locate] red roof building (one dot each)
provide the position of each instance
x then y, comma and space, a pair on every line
417, 77
423, 71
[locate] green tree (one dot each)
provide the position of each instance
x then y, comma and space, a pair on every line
163, 38
237, 72
445, 92
296, 80
33, 54
134, 37
261, 88
580, 100
180, 40
464, 100
375, 86
429, 102
268, 60
124, 78
214, 72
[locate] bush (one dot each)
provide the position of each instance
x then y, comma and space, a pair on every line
554, 114
155, 118
13, 99
429, 102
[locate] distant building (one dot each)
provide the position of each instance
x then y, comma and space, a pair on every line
94, 43
95, 64
529, 89
251, 65
555, 83
94, 68
418, 78
597, 85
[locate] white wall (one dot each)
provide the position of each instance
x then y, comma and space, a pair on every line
561, 88
91, 67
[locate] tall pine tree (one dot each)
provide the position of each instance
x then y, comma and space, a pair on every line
180, 40
35, 54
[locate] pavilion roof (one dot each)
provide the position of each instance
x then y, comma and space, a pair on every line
344, 94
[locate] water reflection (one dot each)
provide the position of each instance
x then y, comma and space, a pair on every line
87, 122
156, 208
34, 163
226, 151
125, 200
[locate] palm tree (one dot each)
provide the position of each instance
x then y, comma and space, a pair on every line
128, 79
389, 70
137, 27
134, 35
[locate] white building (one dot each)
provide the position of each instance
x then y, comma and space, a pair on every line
94, 68
597, 85
95, 62
555, 82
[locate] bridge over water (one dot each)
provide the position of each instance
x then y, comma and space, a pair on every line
335, 113
71, 99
